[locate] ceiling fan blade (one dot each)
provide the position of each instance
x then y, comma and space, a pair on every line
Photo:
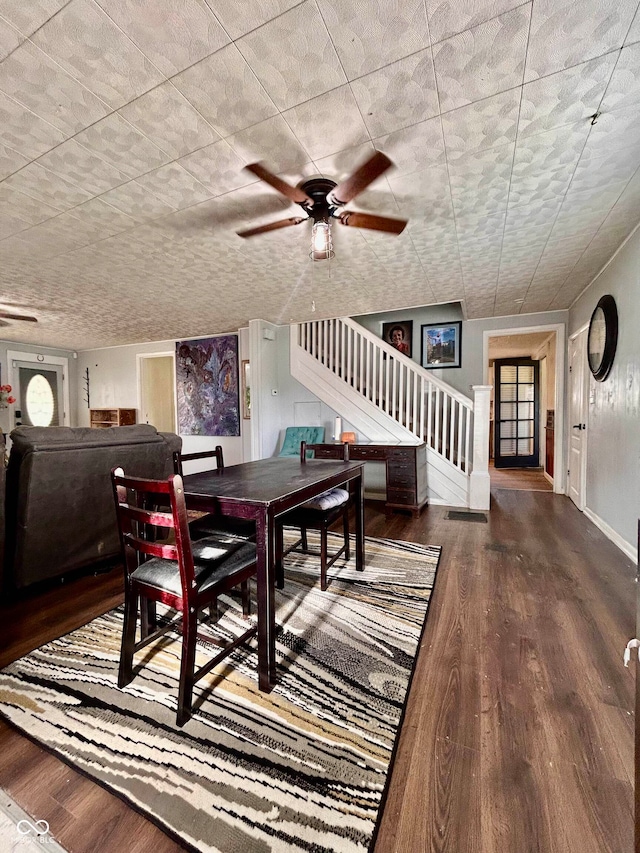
368, 220
294, 193
272, 226
7, 316
361, 178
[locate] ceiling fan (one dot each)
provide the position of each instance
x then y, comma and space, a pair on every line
7, 315
321, 198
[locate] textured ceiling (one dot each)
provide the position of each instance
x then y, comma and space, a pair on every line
125, 126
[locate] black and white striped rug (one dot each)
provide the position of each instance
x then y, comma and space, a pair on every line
300, 769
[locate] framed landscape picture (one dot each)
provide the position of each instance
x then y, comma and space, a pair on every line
441, 344
399, 334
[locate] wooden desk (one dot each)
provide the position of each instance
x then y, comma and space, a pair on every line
263, 490
406, 469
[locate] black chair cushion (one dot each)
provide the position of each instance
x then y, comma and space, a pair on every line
215, 558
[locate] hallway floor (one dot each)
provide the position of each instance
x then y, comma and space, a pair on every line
529, 479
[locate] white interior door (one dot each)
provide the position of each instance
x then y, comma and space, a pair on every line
577, 418
157, 382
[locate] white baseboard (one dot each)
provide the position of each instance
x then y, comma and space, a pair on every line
550, 479
611, 534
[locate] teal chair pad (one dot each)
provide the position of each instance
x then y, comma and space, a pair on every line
294, 435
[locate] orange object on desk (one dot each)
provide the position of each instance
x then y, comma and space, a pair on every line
350, 437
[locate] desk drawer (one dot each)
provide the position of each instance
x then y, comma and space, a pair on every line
358, 453
401, 496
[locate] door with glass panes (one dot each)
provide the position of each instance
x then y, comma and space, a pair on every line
516, 413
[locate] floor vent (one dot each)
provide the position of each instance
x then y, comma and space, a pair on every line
495, 546
458, 515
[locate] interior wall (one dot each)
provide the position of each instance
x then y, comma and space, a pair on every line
613, 427
113, 381
6, 415
472, 369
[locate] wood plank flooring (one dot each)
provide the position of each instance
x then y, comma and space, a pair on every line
529, 479
518, 733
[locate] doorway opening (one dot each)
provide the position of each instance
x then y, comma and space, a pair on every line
525, 367
157, 390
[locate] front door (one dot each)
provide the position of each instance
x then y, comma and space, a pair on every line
577, 419
38, 391
517, 413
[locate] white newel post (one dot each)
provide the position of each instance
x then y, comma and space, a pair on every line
479, 482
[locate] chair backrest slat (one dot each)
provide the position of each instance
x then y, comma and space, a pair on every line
179, 458
148, 516
151, 549
138, 515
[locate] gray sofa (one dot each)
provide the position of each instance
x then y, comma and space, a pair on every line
60, 514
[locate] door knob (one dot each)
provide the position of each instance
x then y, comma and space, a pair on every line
579, 426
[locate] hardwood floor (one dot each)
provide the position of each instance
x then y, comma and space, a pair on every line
518, 733
528, 479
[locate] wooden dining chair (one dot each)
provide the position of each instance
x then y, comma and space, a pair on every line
318, 514
210, 524
187, 576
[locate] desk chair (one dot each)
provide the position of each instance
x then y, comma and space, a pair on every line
185, 576
210, 524
318, 514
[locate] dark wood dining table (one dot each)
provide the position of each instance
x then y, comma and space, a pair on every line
263, 490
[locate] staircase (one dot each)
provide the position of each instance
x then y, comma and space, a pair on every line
387, 397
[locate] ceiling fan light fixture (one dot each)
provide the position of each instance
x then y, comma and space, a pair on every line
321, 245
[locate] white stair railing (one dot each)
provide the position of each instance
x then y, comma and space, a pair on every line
426, 407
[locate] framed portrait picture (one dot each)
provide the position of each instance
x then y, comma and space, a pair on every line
399, 334
441, 344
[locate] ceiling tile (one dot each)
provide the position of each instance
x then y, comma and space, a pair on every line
97, 213
120, 144
28, 17
538, 214
446, 18
623, 90
531, 186
615, 131
293, 56
10, 161
90, 47
274, 142
328, 123
398, 95
236, 101
370, 35
10, 39
45, 186
483, 124
173, 35
412, 148
482, 61
425, 193
567, 32
166, 117
565, 97
137, 202
240, 18
218, 168
561, 146
597, 173
35, 80
81, 167
634, 30
174, 185
24, 131
25, 208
